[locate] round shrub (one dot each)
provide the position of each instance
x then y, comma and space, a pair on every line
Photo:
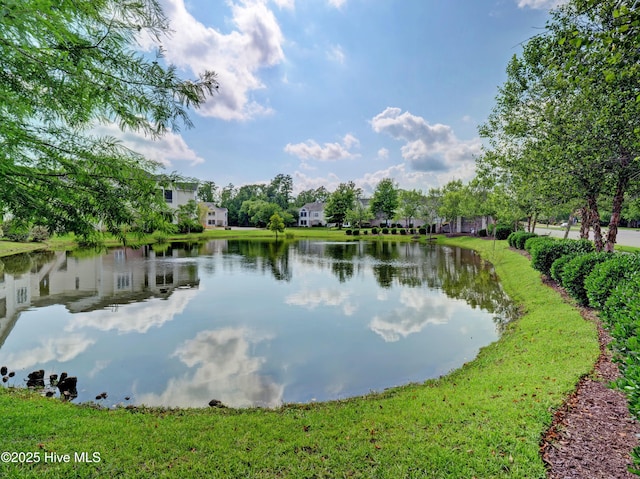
544, 254
393, 231
606, 276
621, 311
534, 243
482, 233
39, 234
558, 266
356, 232
621, 314
511, 240
522, 238
422, 231
577, 269
348, 232
15, 231
385, 230
403, 231
365, 232
374, 231
503, 232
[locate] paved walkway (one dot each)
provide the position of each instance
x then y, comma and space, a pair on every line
626, 237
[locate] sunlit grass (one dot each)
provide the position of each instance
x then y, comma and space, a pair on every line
484, 420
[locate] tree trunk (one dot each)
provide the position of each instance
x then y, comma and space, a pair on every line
535, 221
616, 211
586, 222
529, 223
568, 228
594, 216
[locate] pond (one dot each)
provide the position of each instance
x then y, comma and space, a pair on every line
247, 323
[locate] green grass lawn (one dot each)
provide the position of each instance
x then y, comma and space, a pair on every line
484, 420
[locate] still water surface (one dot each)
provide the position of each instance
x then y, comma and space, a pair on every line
246, 322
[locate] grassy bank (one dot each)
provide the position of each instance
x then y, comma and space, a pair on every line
484, 420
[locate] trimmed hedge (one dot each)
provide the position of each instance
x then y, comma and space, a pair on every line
621, 314
544, 254
534, 243
517, 239
575, 272
503, 232
558, 266
606, 276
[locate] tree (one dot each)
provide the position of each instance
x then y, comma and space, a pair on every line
451, 204
409, 202
279, 190
208, 192
428, 211
187, 216
340, 202
67, 66
276, 224
568, 112
385, 199
320, 194
358, 214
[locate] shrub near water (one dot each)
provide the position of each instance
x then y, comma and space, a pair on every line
536, 242
557, 267
544, 254
517, 239
621, 314
576, 270
606, 276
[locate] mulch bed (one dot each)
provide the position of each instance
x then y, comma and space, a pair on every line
593, 434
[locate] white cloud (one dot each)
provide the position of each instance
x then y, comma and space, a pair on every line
336, 54
167, 150
311, 299
135, 317
337, 3
383, 153
327, 152
428, 148
223, 369
285, 4
401, 173
540, 4
59, 349
255, 43
420, 310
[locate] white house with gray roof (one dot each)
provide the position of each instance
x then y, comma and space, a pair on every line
312, 214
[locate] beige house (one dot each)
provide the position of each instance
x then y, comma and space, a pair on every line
213, 216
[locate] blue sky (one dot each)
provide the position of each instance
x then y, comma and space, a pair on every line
330, 91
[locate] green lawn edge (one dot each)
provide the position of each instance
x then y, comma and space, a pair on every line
483, 420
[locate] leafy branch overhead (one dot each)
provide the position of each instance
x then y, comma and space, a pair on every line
67, 67
566, 125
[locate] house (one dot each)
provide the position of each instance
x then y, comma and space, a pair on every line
213, 216
466, 225
179, 193
312, 214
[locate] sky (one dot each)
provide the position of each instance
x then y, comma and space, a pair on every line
331, 91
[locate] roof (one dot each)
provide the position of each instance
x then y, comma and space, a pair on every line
315, 206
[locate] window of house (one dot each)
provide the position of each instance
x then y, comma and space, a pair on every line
123, 281
21, 295
316, 214
168, 196
303, 214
